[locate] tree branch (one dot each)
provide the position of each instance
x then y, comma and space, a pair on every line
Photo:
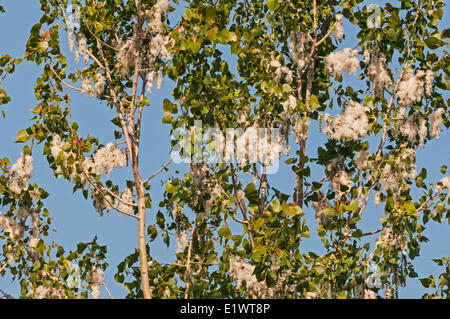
160, 170
244, 214
187, 274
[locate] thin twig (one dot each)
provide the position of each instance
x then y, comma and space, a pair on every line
187, 274
107, 290
96, 37
367, 196
95, 186
61, 80
192, 262
373, 232
262, 190
326, 35
6, 296
163, 167
239, 221
422, 206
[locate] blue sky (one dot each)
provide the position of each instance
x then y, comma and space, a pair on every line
75, 218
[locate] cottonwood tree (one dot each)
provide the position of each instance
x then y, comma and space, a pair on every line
122, 57
260, 68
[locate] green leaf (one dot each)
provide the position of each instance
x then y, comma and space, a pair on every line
153, 232
273, 5
433, 42
428, 282
237, 239
60, 251
260, 248
352, 206
195, 46
189, 14
36, 265
224, 35
291, 161
393, 261
81, 247
212, 33
169, 106
294, 211
225, 232
320, 230
210, 14
318, 269
314, 102
306, 233
98, 26
167, 118
36, 28
166, 239
271, 279
22, 136
287, 88
411, 210
256, 257
251, 193
342, 295
160, 220
276, 206
445, 34
171, 188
